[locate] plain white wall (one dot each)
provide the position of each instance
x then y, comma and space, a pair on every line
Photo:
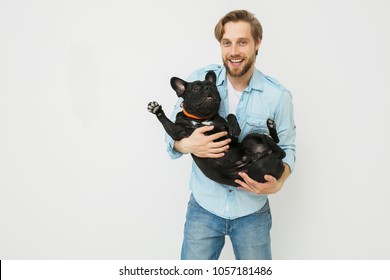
83, 168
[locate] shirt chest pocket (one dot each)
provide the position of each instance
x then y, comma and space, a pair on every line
256, 124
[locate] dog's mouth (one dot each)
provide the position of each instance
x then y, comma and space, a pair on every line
207, 107
209, 101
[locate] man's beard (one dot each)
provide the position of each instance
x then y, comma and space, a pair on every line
239, 72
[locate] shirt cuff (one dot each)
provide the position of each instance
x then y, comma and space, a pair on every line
290, 160
173, 154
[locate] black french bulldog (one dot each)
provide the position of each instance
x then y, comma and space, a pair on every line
257, 154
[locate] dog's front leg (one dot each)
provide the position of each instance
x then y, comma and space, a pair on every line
234, 127
272, 130
175, 131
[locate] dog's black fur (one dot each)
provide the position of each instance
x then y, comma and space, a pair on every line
257, 154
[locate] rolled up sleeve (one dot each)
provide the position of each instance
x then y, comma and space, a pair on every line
173, 154
286, 128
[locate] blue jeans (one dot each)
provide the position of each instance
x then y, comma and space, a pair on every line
204, 234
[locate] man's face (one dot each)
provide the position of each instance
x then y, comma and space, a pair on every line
238, 48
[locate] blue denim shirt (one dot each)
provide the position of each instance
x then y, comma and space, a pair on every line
264, 98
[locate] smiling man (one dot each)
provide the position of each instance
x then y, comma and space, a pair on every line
242, 212
239, 50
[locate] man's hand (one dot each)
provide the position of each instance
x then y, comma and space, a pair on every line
271, 185
203, 145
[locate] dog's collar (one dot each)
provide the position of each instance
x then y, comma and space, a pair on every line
189, 115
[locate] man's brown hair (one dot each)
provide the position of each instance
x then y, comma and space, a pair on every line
239, 15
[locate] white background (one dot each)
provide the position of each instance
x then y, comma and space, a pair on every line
83, 168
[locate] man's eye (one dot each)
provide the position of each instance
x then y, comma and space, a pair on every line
226, 44
242, 43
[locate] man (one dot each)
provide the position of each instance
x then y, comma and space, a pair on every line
241, 212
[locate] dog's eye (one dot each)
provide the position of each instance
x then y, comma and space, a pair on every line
196, 87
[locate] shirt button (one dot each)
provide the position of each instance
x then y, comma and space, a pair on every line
230, 190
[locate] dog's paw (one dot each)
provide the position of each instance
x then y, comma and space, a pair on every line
234, 127
155, 108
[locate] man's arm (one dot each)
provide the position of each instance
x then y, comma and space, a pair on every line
270, 187
286, 133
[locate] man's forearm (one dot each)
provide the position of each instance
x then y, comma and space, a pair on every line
285, 173
180, 147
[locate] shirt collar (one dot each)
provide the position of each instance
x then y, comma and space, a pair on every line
256, 82
221, 76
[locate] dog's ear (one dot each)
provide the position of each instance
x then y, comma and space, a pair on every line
210, 76
179, 86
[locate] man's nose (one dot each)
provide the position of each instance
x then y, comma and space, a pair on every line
234, 50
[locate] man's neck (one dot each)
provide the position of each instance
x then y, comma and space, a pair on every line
241, 83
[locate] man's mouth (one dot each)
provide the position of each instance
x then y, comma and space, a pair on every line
236, 62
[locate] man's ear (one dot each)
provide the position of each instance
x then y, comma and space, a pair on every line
179, 86
210, 76
257, 46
